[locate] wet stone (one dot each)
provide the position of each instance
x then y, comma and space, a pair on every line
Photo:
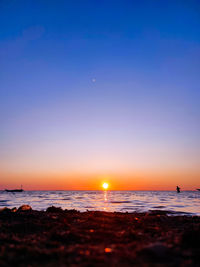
156, 252
14, 209
53, 209
70, 238
24, 208
5, 210
191, 238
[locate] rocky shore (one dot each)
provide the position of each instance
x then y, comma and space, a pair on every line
57, 237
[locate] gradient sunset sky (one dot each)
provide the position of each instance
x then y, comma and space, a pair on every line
94, 91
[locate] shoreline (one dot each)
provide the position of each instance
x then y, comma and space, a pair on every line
139, 201
97, 238
161, 211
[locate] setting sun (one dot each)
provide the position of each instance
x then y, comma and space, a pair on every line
105, 186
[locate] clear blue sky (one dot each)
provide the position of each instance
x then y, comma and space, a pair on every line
99, 86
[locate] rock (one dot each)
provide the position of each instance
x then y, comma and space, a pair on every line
155, 252
191, 238
24, 208
158, 212
14, 209
54, 209
5, 210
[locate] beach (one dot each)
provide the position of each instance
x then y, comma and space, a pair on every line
58, 237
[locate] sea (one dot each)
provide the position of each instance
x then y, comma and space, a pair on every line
186, 202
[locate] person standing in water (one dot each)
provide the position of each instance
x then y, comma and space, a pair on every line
178, 189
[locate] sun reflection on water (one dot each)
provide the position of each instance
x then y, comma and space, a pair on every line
105, 197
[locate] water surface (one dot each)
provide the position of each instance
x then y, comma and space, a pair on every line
123, 201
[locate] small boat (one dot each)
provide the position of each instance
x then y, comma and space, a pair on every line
15, 190
198, 189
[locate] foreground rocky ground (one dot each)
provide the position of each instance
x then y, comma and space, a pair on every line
71, 238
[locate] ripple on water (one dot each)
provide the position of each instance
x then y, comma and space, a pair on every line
163, 200
178, 206
119, 202
130, 208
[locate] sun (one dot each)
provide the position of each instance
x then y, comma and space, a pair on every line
105, 186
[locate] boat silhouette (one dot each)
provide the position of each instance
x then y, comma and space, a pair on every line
15, 190
198, 189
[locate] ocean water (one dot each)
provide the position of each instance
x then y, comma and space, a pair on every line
123, 201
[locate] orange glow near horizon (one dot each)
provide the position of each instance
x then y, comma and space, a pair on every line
94, 181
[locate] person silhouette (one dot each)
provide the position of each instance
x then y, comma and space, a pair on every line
178, 189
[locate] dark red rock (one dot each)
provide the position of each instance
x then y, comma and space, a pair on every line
71, 238
54, 209
5, 210
24, 208
191, 238
155, 252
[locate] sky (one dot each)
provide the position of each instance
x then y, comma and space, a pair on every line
94, 91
